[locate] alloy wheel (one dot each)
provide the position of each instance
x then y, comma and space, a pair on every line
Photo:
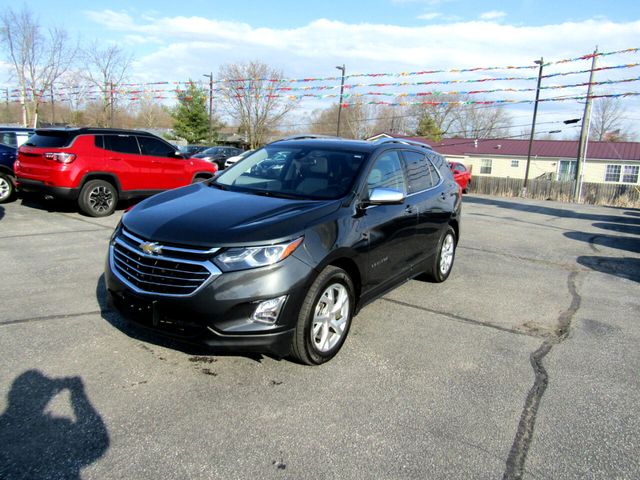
5, 188
100, 199
330, 317
446, 254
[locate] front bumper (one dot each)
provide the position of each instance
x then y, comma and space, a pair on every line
219, 314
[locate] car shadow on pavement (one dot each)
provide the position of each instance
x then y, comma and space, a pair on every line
627, 267
35, 442
628, 244
619, 227
1, 213
39, 202
139, 333
515, 204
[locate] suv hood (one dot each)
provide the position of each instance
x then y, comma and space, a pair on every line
205, 216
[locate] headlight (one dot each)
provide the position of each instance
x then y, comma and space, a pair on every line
254, 257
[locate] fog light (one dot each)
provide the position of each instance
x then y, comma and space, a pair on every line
268, 311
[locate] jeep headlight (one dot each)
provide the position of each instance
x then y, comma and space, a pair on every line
253, 257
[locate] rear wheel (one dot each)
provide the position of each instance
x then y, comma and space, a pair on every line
7, 188
442, 262
325, 317
98, 198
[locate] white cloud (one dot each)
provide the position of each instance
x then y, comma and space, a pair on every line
429, 16
492, 15
178, 48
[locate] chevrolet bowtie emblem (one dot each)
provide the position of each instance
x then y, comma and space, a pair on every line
151, 248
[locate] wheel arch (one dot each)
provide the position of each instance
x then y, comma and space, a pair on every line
106, 176
456, 228
202, 174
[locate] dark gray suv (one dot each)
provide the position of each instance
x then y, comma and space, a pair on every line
280, 251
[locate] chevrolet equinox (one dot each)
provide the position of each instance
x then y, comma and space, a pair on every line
280, 251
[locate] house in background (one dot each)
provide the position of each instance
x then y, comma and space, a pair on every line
607, 162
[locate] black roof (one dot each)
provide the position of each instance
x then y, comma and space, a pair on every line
16, 129
348, 144
92, 130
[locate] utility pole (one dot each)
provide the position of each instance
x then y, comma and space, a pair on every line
533, 126
6, 105
342, 69
111, 102
53, 108
584, 133
210, 76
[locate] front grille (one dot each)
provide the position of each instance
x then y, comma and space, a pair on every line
158, 274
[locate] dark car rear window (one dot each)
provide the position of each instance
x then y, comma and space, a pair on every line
50, 139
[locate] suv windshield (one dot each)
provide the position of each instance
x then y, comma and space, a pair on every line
296, 172
50, 139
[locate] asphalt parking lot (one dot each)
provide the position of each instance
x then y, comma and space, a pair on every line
524, 364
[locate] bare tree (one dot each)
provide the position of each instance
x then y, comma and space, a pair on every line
152, 114
39, 58
443, 112
395, 120
360, 119
479, 121
106, 68
250, 97
607, 120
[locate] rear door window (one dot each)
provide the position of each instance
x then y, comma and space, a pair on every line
154, 147
122, 144
420, 171
50, 139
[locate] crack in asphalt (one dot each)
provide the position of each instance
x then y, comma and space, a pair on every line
524, 434
462, 319
51, 317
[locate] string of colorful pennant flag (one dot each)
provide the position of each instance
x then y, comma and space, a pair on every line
277, 88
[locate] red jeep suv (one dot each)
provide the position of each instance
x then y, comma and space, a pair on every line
99, 166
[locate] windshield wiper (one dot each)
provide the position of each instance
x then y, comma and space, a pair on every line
268, 193
218, 185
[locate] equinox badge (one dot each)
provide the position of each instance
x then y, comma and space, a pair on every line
151, 248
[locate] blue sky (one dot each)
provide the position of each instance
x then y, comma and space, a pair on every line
178, 40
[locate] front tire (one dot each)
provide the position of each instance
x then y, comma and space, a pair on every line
7, 188
325, 317
442, 263
98, 198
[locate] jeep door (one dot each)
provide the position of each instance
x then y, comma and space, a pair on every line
167, 169
389, 228
123, 158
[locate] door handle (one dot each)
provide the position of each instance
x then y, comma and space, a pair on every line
115, 159
443, 196
409, 210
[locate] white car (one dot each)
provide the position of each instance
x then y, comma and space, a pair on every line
235, 159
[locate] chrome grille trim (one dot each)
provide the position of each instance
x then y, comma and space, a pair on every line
196, 251
127, 264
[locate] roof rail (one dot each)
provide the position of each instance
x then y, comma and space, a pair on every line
305, 136
404, 141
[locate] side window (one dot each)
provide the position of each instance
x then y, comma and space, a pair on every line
460, 168
420, 171
8, 138
154, 147
387, 173
122, 144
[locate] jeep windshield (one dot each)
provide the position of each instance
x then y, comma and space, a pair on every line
294, 172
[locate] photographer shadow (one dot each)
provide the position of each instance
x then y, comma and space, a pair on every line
35, 443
